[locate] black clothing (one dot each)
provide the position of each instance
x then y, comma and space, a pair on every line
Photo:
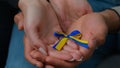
7, 13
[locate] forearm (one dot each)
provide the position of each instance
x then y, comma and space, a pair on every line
112, 20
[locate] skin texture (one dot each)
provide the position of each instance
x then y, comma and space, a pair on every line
68, 11
39, 18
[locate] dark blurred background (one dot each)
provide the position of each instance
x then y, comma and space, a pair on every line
7, 13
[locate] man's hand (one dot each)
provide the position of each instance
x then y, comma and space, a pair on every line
94, 29
68, 11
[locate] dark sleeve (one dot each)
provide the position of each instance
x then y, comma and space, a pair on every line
117, 10
14, 3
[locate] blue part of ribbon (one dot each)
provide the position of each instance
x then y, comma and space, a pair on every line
55, 45
79, 43
75, 32
58, 35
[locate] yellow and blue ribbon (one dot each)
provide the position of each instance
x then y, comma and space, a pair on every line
74, 36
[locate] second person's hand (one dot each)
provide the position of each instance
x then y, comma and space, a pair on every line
40, 22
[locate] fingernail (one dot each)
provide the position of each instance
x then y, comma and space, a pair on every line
81, 59
72, 59
37, 65
42, 51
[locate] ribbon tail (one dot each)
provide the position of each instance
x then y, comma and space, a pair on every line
55, 45
81, 44
60, 45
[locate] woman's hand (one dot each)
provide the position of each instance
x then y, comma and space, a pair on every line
40, 22
68, 11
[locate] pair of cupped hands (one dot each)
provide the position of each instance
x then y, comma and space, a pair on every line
40, 19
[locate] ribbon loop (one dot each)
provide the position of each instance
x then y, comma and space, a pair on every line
74, 36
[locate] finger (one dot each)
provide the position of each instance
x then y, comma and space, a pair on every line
19, 20
69, 48
21, 26
28, 49
49, 66
76, 56
60, 63
38, 56
72, 44
75, 53
63, 55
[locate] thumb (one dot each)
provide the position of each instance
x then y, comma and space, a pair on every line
35, 39
19, 20
27, 51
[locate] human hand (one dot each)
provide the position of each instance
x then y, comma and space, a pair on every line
35, 57
40, 22
27, 52
94, 29
68, 11
19, 19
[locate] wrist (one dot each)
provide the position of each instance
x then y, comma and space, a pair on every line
112, 20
